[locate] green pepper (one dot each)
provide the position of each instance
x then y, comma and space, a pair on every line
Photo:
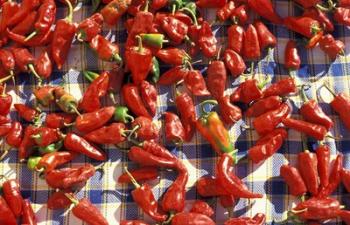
90, 76
155, 71
68, 104
51, 147
175, 5
121, 114
33, 162
153, 40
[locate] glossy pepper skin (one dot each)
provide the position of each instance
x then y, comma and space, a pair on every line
7, 60
75, 143
12, 194
45, 136
5, 101
146, 130
292, 59
158, 150
189, 218
240, 15
90, 27
133, 222
266, 38
111, 134
114, 10
26, 7
44, 95
345, 178
213, 130
292, 177
335, 177
26, 25
235, 36
323, 160
202, 207
234, 186
58, 120
24, 149
140, 174
341, 105
46, 17
88, 213
185, 106
303, 25
216, 78
132, 98
251, 46
307, 164
210, 187
268, 121
225, 12
14, 136
43, 65
281, 88
172, 56
53, 160
265, 9
91, 121
207, 40
58, 200
316, 131
173, 75
234, 62
229, 113
331, 47
105, 49
195, 83
6, 215
175, 29
313, 113
227, 201
174, 130
247, 92
342, 16
262, 106
8, 9
149, 96
321, 17
318, 209
28, 216
5, 129
258, 219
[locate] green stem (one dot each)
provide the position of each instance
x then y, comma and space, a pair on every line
173, 9
74, 108
69, 17
4, 79
32, 70
146, 6
195, 21
304, 98
133, 180
72, 198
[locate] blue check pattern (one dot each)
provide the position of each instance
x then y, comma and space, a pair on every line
114, 200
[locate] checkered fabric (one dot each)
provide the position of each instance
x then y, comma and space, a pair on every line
114, 200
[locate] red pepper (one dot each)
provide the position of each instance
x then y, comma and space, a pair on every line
334, 177
210, 187
195, 83
268, 121
266, 38
282, 87
345, 178
303, 25
69, 177
317, 209
7, 61
62, 38
133, 222
345, 216
258, 219
307, 164
12, 194
5, 129
105, 49
144, 198
332, 47
14, 136
240, 15
28, 216
114, 10
5, 101
59, 120
251, 46
247, 92
307, 3
174, 130
216, 78
202, 207
157, 5
341, 105
87, 212
140, 174
133, 100
230, 113
291, 56
91, 121
342, 15
175, 29
225, 12
234, 62
207, 40
26, 25
58, 200
173, 76
344, 3
27, 6
75, 143
292, 177
316, 131
43, 65
265, 9
90, 27
227, 201
25, 61
24, 149
6, 215
149, 96
44, 95
45, 136
9, 9
267, 145
264, 105
185, 106
193, 33
50, 161
145, 128
4, 120
188, 218
158, 150
317, 14
111, 134
323, 159
143, 24
229, 181
173, 56
235, 35
37, 40
211, 3
313, 113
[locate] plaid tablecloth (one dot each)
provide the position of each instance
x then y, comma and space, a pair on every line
115, 201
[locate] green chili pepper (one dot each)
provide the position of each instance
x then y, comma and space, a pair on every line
68, 104
121, 114
155, 71
90, 76
33, 162
51, 147
153, 40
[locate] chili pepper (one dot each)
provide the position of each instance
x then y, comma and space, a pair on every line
292, 177
6, 215
43, 65
58, 200
44, 95
308, 4
24, 149
174, 130
267, 145
226, 180
266, 38
53, 147
307, 165
344, 3
264, 105
265, 9
145, 129
25, 26
230, 113
140, 174
62, 37
345, 175
154, 41
291, 57
155, 71
258, 219
32, 162
86, 211
227, 201
335, 177
173, 56
27, 6
28, 216
69, 177
216, 78
46, 17
75, 143
91, 121
202, 207
5, 101
251, 45
210, 187
282, 87
341, 15
133, 222
323, 159
157, 5
25, 61
175, 29
157, 150
132, 98
4, 120
9, 9
5, 129
90, 27
225, 12
111, 134
235, 35
113, 11
185, 106
321, 17
59, 120
145, 158
313, 113
135, 7
332, 47
149, 96
211, 3
247, 91
303, 25
144, 198
105, 49
234, 62
193, 33
344, 215
7, 61
317, 209
188, 218
143, 24
101, 81
240, 14
207, 40
173, 75
12, 194
25, 112
121, 115
268, 121
341, 105
53, 160
37, 40
45, 136
195, 83
316, 131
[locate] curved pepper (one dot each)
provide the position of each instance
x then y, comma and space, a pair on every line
91, 121
291, 56
262, 106
12, 194
313, 113
111, 134
53, 160
307, 164
174, 131
133, 100
317, 209
210, 187
195, 83
145, 173
321, 17
265, 9
44, 95
292, 177
65, 101
27, 6
341, 105
303, 25
230, 113
90, 27
105, 49
173, 75
316, 131
282, 87
26, 25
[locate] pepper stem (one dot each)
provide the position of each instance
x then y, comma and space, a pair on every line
4, 90
32, 70
133, 180
252, 69
218, 54
31, 35
72, 198
207, 102
4, 79
146, 6
303, 95
195, 21
69, 17
298, 211
132, 132
173, 9
139, 43
74, 108
330, 90
4, 154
